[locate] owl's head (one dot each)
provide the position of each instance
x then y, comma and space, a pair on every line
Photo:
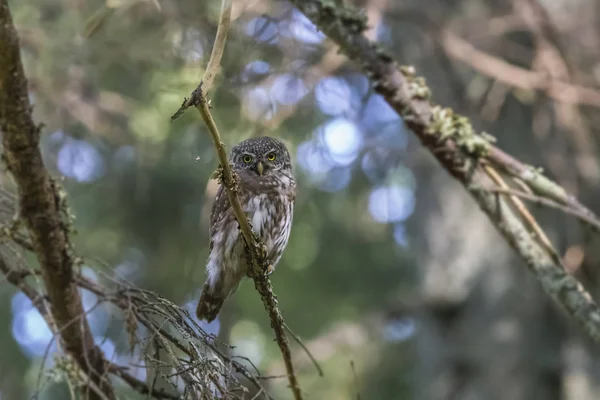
262, 156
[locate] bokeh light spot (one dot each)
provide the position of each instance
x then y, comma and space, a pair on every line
79, 160
313, 159
288, 89
301, 28
258, 104
248, 340
400, 235
391, 203
400, 329
262, 29
335, 180
335, 97
29, 328
343, 140
254, 69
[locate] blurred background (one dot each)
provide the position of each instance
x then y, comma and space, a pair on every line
394, 279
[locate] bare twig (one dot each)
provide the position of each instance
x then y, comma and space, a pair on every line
355, 378
41, 208
537, 182
524, 213
140, 386
456, 146
214, 63
542, 201
306, 350
550, 59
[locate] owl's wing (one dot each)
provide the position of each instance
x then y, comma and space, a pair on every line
219, 208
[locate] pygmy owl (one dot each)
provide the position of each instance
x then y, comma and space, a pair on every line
267, 191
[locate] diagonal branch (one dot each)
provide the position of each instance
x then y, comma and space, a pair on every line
460, 150
41, 207
262, 283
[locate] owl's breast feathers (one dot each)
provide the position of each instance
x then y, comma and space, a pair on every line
269, 205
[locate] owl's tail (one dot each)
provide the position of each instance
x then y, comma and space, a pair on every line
209, 304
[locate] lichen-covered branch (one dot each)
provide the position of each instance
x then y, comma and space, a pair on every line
262, 283
461, 151
41, 210
259, 266
17, 277
142, 307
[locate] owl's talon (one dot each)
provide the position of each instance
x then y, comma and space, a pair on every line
269, 270
264, 249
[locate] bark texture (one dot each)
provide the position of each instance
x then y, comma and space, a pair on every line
42, 210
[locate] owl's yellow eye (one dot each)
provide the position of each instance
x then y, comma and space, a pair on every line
247, 159
271, 157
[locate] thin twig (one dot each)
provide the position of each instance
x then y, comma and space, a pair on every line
140, 386
136, 300
355, 378
524, 212
536, 180
592, 223
299, 341
214, 63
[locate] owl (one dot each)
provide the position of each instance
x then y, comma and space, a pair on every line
267, 191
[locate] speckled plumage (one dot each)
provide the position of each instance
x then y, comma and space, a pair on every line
267, 191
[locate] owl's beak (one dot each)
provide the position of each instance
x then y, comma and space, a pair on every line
260, 168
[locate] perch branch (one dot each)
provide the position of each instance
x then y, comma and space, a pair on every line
41, 207
460, 150
262, 283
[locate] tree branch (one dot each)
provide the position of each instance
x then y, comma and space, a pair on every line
262, 283
17, 276
41, 207
259, 266
453, 142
